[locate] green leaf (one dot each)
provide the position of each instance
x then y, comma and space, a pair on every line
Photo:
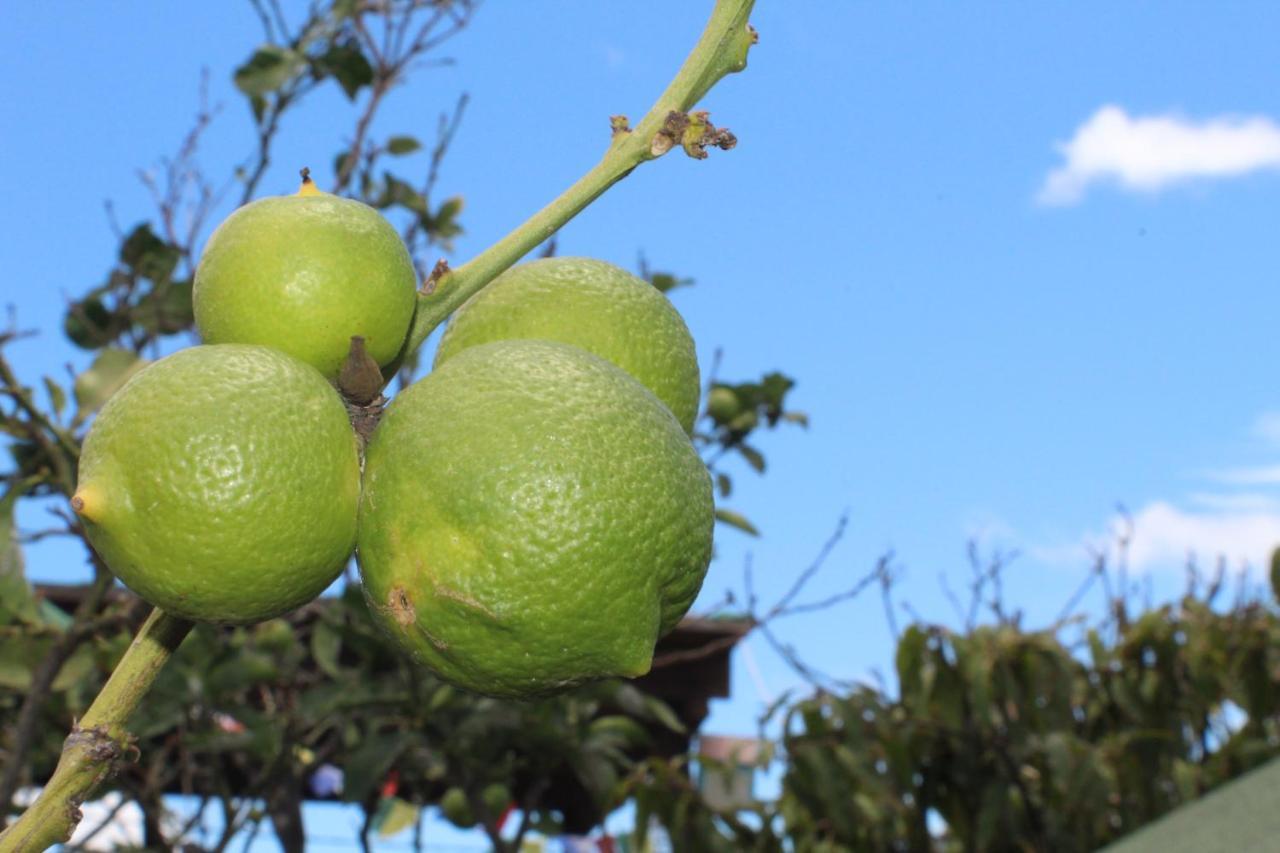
148, 255
89, 325
734, 519
775, 386
109, 371
796, 418
57, 397
17, 599
754, 457
325, 644
400, 145
620, 727
396, 191
724, 485
16, 661
367, 765
662, 712
270, 67
347, 64
168, 309
393, 816
77, 668
666, 282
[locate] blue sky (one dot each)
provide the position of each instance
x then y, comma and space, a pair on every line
1020, 259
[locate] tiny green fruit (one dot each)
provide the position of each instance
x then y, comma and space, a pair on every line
594, 305
304, 274
456, 809
532, 517
221, 484
722, 404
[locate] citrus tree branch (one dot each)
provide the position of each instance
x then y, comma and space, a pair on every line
721, 50
98, 740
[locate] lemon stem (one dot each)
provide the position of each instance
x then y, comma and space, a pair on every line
308, 186
98, 740
721, 50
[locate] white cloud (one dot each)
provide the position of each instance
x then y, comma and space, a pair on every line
1164, 536
1148, 153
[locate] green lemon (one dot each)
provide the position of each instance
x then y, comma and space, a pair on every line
221, 483
456, 809
496, 797
594, 305
722, 404
303, 274
532, 517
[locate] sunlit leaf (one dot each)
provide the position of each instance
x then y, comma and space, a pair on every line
269, 68
735, 519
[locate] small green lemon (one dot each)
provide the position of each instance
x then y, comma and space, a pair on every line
303, 274
496, 798
456, 809
532, 517
594, 305
221, 483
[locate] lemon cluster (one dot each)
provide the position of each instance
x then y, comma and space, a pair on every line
528, 516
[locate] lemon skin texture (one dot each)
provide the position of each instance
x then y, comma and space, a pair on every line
303, 274
594, 305
532, 518
222, 483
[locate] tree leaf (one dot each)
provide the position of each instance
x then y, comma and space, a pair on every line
89, 325
345, 62
57, 397
367, 764
394, 815
268, 69
17, 599
796, 418
325, 644
109, 371
662, 712
754, 457
724, 485
148, 255
400, 145
734, 519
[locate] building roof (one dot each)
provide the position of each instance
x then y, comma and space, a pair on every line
1243, 815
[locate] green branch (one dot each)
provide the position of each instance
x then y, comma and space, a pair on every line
98, 740
721, 50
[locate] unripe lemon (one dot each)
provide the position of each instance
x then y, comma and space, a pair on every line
303, 274
532, 517
456, 809
590, 304
221, 484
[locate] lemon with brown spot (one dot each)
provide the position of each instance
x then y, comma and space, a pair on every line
532, 518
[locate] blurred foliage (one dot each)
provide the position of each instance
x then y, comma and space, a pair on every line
268, 712
999, 738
